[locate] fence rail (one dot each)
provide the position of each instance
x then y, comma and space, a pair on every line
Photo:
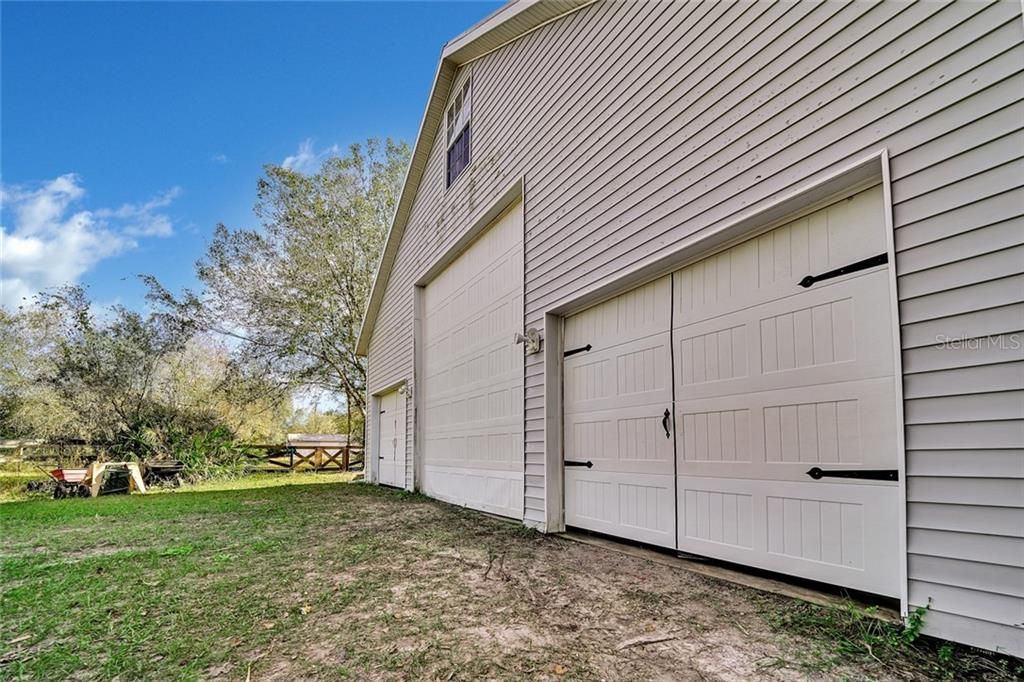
261, 457
317, 458
63, 453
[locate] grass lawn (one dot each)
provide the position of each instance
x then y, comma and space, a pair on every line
306, 576
12, 483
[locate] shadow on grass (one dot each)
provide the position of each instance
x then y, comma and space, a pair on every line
173, 502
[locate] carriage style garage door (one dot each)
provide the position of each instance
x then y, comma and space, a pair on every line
473, 374
391, 439
771, 380
617, 397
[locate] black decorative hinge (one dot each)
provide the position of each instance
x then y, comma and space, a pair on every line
869, 474
574, 351
880, 259
587, 464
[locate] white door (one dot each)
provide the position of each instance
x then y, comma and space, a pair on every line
774, 379
391, 440
617, 398
473, 374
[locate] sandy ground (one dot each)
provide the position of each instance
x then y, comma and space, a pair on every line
463, 596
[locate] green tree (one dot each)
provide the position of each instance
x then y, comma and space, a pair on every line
105, 370
143, 383
205, 376
29, 407
292, 293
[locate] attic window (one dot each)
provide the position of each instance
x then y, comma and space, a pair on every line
458, 128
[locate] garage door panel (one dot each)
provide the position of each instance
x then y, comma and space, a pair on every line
845, 324
474, 350
627, 440
636, 314
637, 506
472, 377
778, 435
825, 534
615, 398
473, 374
837, 333
629, 374
482, 427
486, 270
773, 379
769, 266
497, 492
491, 449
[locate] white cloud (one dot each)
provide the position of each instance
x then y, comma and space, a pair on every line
220, 158
303, 160
51, 245
307, 159
141, 220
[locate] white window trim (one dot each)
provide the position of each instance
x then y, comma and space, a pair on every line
460, 121
464, 115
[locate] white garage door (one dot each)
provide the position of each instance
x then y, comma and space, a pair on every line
391, 439
617, 396
473, 374
773, 380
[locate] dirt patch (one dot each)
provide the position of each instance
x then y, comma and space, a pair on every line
94, 551
451, 596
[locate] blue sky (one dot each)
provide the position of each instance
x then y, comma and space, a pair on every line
129, 130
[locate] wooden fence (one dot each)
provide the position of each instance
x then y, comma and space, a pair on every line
315, 458
31, 453
261, 457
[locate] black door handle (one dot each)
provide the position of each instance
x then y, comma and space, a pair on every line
587, 464
665, 421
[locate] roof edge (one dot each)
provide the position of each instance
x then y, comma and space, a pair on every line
506, 24
487, 35
410, 184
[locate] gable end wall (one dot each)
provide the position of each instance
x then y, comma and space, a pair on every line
637, 125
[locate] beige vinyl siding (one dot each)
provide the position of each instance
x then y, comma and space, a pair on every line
638, 125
